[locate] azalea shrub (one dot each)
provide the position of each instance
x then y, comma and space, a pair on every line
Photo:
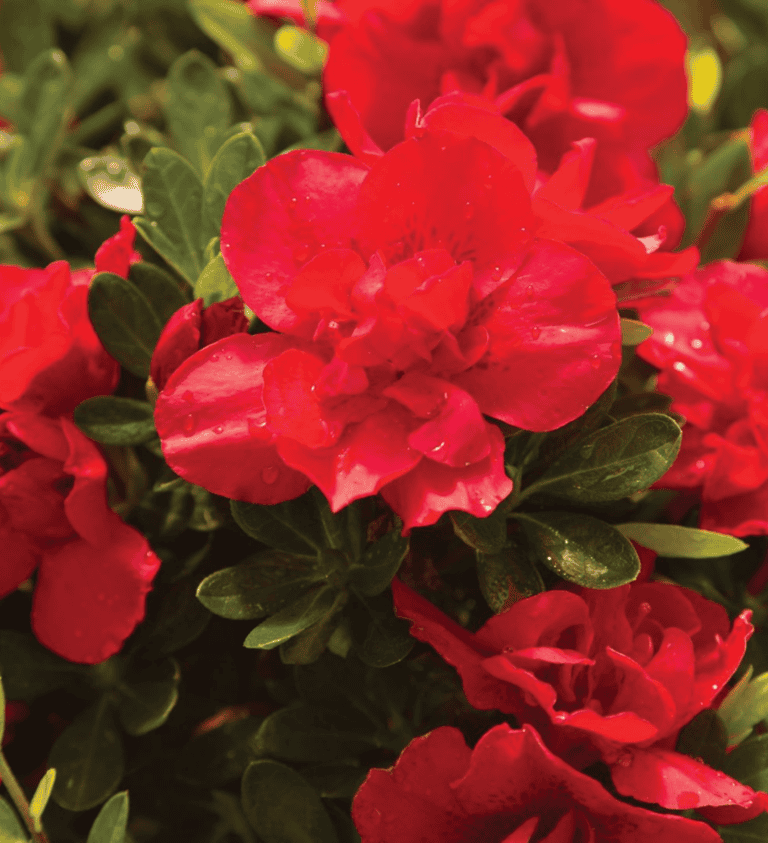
383, 421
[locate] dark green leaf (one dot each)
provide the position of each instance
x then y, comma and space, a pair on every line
283, 807
197, 108
148, 699
614, 461
307, 734
748, 762
380, 562
219, 756
687, 542
11, 827
387, 641
580, 548
2, 710
266, 583
160, 289
111, 822
309, 645
484, 534
237, 159
509, 575
115, 421
231, 26
293, 526
173, 200
295, 617
753, 831
28, 670
88, 757
705, 738
26, 29
335, 781
178, 621
215, 283
124, 320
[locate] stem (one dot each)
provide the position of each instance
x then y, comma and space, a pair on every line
20, 801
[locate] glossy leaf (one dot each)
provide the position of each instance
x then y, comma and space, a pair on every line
508, 575
115, 421
704, 738
487, 535
161, 290
28, 670
124, 319
148, 699
237, 159
261, 586
686, 542
215, 283
112, 821
293, 618
88, 757
231, 26
379, 563
745, 706
614, 461
306, 647
282, 807
197, 109
293, 526
173, 197
580, 548
387, 641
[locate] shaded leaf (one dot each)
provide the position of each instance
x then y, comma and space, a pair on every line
508, 575
634, 332
29, 670
379, 563
295, 617
580, 548
282, 807
264, 584
115, 421
11, 828
220, 756
687, 542
88, 757
614, 461
704, 738
745, 706
149, 698
484, 534
309, 645
111, 822
160, 288
292, 526
753, 831
124, 319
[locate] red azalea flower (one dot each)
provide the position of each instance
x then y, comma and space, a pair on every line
611, 70
93, 570
50, 356
193, 327
509, 789
412, 300
710, 343
755, 243
608, 674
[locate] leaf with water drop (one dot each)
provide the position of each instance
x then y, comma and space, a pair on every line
110, 181
508, 575
614, 461
580, 548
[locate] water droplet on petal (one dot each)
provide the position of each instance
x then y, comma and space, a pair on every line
301, 252
496, 273
227, 356
254, 428
294, 200
188, 425
669, 338
214, 358
270, 474
535, 332
687, 799
218, 429
438, 447
625, 760
529, 292
468, 211
679, 366
595, 361
700, 465
696, 344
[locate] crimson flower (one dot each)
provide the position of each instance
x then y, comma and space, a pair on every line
755, 243
609, 675
509, 789
411, 299
710, 343
93, 570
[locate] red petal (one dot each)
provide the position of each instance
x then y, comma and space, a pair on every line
180, 339
211, 422
117, 254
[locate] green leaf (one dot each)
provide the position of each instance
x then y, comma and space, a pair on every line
161, 289
748, 762
283, 807
2, 710
198, 110
124, 319
237, 159
301, 49
306, 734
614, 461
231, 26
634, 332
11, 827
264, 584
29, 670
293, 526
484, 534
26, 29
293, 618
215, 283
149, 698
88, 756
309, 644
704, 738
753, 831
380, 562
508, 575
745, 706
219, 756
387, 641
115, 421
111, 822
42, 794
173, 198
686, 542
580, 548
